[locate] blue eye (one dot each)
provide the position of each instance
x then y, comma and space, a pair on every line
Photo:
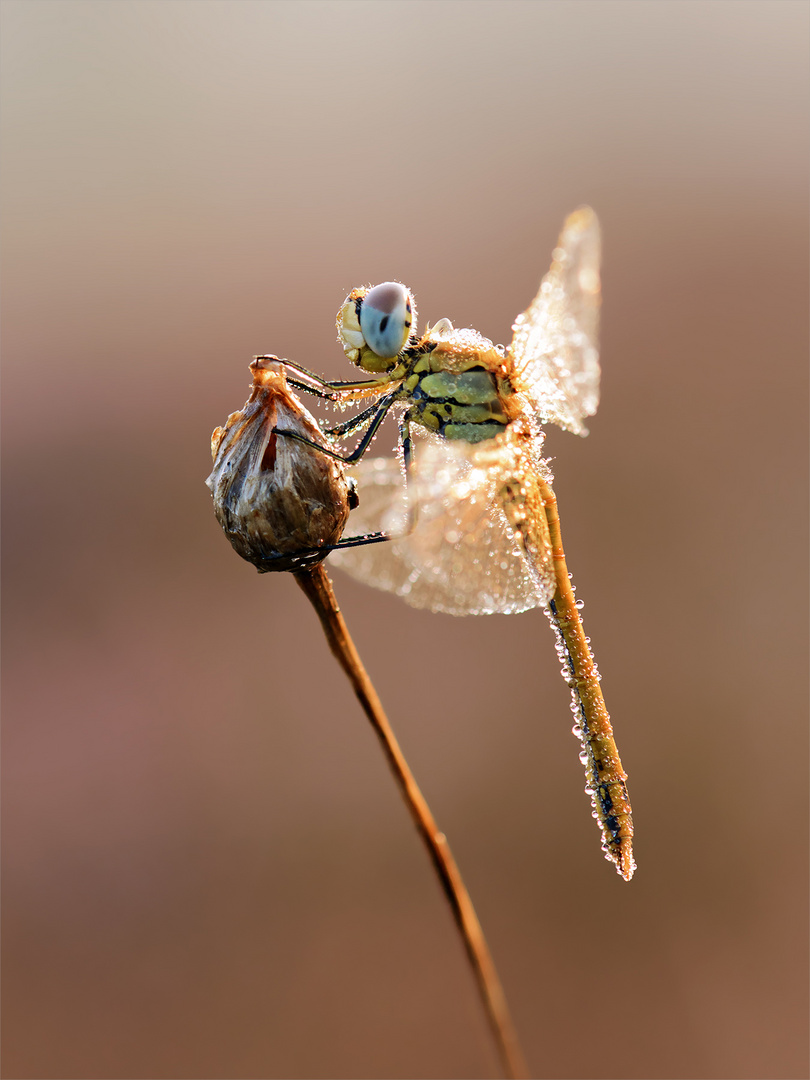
386, 318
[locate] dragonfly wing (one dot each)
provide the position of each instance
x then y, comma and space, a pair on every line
461, 555
555, 348
381, 493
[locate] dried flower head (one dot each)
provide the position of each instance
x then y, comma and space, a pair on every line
277, 499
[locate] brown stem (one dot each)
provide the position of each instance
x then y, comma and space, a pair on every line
316, 584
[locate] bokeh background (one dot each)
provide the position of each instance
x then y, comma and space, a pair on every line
208, 870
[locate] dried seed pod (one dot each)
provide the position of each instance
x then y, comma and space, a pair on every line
277, 499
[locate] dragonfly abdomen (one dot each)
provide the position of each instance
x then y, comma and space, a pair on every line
605, 779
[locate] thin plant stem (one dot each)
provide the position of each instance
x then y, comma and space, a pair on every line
317, 586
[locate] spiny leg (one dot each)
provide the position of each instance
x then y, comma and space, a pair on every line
405, 442
379, 412
310, 556
324, 395
354, 423
407, 460
363, 385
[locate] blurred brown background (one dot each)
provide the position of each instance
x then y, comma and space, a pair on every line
208, 871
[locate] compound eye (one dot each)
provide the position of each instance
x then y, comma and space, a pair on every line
386, 315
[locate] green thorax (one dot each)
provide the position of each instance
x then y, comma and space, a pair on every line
455, 386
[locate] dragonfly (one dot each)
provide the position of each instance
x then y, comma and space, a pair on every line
467, 504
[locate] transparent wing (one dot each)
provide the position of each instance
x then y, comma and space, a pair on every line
555, 348
461, 555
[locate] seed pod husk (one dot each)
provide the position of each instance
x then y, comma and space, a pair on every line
277, 499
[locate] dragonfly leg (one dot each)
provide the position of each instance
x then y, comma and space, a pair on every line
354, 423
405, 442
325, 395
309, 556
366, 385
407, 460
378, 416
310, 442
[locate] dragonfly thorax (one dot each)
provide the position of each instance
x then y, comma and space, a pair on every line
455, 384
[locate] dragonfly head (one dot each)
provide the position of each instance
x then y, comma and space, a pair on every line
374, 325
